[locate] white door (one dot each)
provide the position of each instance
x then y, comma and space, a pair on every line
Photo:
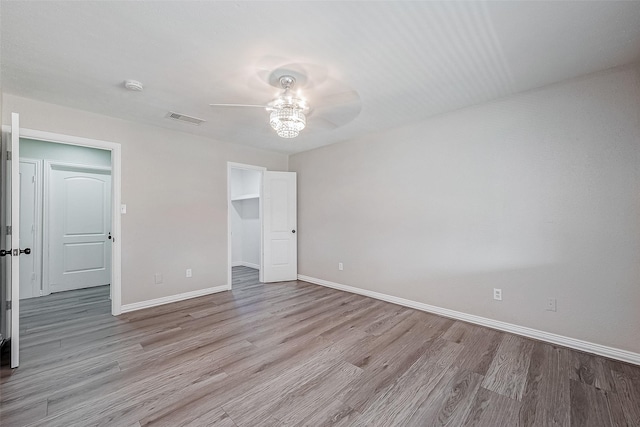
29, 285
79, 227
279, 227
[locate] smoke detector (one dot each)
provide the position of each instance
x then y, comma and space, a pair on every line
133, 85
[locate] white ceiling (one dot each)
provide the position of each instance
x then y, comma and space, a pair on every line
406, 60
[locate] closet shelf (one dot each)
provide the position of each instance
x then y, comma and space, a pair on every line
245, 197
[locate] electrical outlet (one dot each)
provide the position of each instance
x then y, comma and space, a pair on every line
189, 272
340, 266
497, 294
158, 278
551, 304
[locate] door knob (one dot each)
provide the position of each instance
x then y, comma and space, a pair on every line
10, 252
109, 236
293, 231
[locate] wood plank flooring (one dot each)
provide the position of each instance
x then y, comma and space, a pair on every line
289, 354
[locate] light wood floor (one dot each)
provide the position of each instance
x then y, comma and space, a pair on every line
296, 354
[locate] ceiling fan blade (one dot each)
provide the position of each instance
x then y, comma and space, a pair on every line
336, 114
321, 124
340, 98
239, 105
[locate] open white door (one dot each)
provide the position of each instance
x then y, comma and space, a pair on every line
279, 227
14, 221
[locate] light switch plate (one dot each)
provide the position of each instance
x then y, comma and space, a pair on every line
123, 209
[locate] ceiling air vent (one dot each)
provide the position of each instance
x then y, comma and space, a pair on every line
184, 118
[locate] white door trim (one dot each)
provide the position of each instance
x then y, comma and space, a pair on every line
15, 239
5, 292
116, 191
49, 166
36, 251
261, 169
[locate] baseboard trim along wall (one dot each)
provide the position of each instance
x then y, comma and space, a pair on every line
173, 298
245, 264
250, 265
586, 346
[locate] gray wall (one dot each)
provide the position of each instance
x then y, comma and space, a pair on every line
174, 185
538, 195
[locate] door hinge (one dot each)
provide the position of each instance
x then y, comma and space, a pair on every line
8, 305
8, 229
8, 155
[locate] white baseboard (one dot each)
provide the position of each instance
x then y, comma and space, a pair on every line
172, 298
245, 264
586, 346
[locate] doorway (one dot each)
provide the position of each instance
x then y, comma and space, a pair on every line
261, 223
50, 153
65, 217
244, 220
10, 215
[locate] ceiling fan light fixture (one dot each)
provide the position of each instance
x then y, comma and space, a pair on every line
287, 115
285, 132
288, 120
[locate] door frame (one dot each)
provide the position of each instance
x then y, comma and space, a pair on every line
116, 192
36, 250
261, 169
49, 165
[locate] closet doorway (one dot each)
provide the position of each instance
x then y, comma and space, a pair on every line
244, 219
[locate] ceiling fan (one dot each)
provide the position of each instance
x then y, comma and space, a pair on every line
332, 104
287, 110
